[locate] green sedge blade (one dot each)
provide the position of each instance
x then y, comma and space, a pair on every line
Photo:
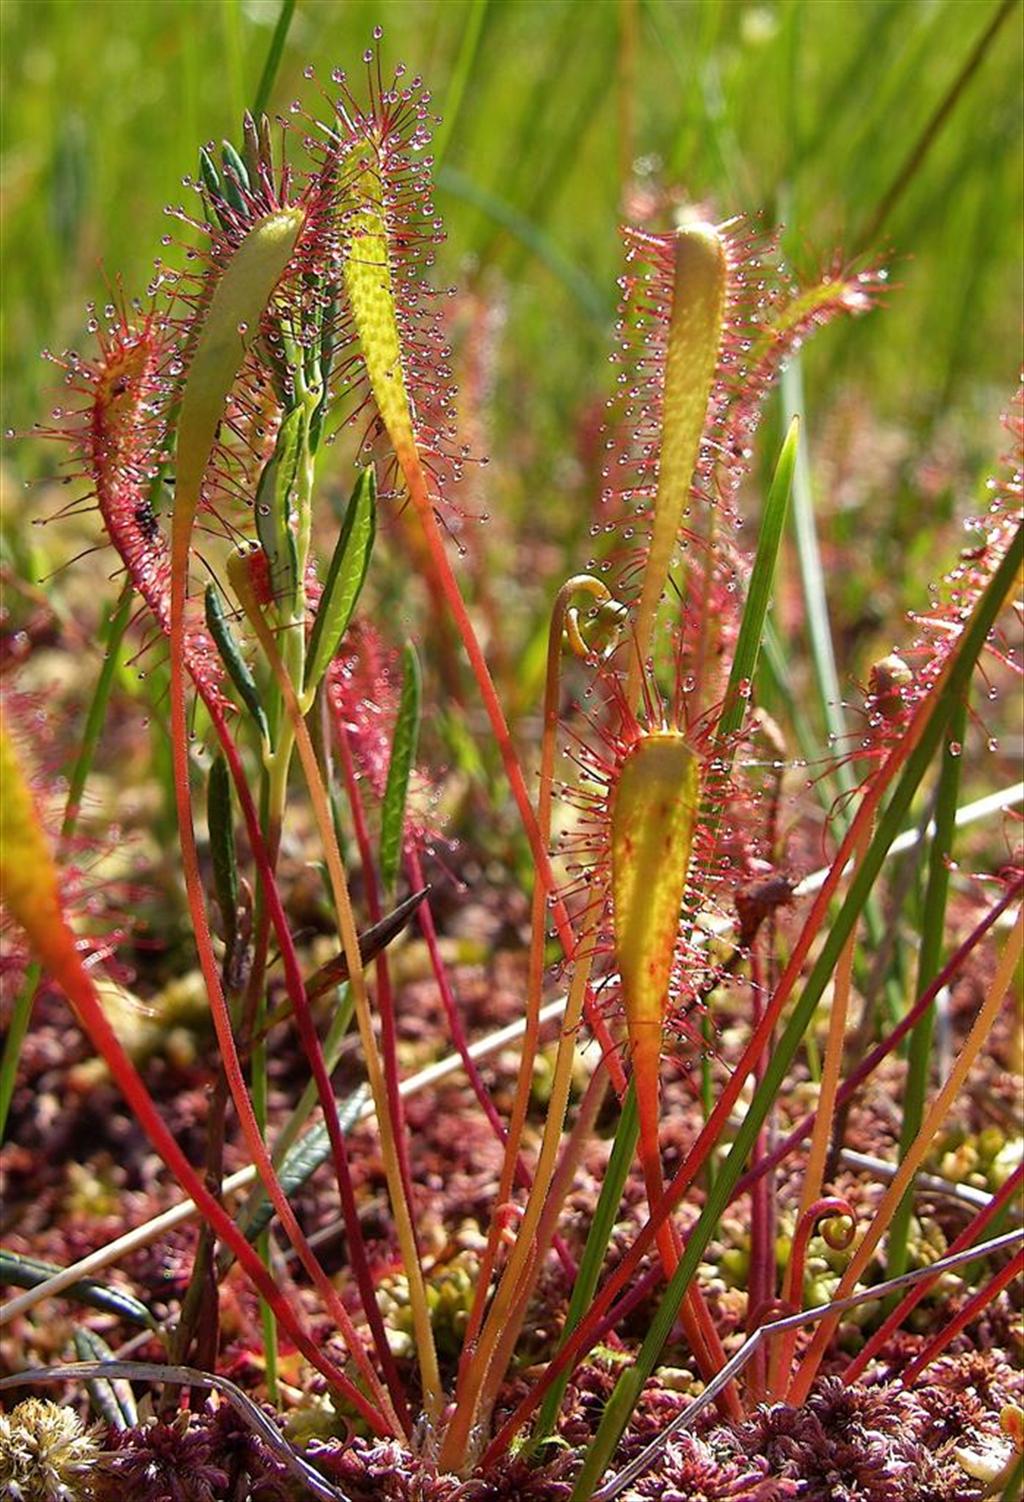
112, 1397
305, 1158
222, 848
344, 578
755, 611
19, 1271
231, 655
403, 754
273, 506
596, 1249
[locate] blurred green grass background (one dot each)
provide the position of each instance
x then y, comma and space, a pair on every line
806, 110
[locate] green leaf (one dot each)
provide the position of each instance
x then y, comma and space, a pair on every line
755, 611
112, 1398
273, 60
29, 1272
222, 847
231, 656
344, 577
403, 754
304, 1159
235, 177
273, 506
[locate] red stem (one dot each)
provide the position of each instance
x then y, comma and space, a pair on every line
311, 1043
218, 1006
582, 1336
75, 981
513, 771
913, 1297
971, 1309
871, 1062
524, 1178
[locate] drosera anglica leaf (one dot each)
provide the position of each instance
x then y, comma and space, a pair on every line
694, 339
653, 818
229, 325
345, 576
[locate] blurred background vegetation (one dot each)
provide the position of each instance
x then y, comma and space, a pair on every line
555, 111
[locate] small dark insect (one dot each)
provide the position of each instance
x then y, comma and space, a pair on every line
146, 521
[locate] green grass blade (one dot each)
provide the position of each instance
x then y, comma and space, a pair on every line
932, 929
577, 283
113, 1400
468, 48
812, 577
273, 60
403, 754
755, 611
29, 1272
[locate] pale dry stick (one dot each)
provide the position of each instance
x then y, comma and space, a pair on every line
736, 1363
187, 1376
401, 1209
1008, 961
928, 1183
181, 1214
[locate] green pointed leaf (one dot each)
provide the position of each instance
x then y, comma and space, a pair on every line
304, 1159
344, 577
231, 656
29, 1272
235, 177
273, 506
403, 754
112, 1398
222, 847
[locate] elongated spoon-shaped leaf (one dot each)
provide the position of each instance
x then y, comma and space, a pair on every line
694, 339
230, 323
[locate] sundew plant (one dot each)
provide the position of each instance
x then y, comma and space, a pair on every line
711, 1188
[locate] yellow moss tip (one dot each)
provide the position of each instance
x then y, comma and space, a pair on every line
653, 817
